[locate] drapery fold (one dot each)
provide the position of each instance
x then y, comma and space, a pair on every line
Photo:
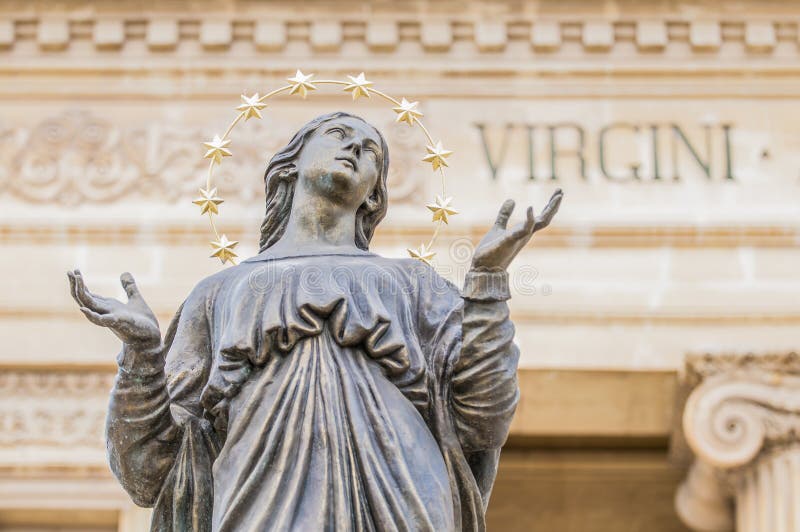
187, 497
279, 304
321, 441
321, 394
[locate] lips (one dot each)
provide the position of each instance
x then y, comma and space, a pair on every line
351, 160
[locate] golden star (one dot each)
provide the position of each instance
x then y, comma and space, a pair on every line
436, 155
359, 86
208, 201
407, 112
217, 149
251, 107
223, 249
441, 209
301, 84
422, 253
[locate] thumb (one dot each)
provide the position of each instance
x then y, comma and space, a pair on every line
129, 284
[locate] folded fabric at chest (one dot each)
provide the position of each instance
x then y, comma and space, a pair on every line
320, 439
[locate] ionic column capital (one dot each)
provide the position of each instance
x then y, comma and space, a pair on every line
739, 411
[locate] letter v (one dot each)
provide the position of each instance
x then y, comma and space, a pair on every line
494, 166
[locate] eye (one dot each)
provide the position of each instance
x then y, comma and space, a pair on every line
336, 132
372, 153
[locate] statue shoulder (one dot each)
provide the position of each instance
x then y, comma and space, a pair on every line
427, 278
207, 289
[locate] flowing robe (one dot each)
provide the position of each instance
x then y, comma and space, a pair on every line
325, 392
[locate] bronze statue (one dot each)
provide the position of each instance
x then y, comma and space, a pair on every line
318, 386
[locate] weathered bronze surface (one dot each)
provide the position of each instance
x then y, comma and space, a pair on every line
318, 386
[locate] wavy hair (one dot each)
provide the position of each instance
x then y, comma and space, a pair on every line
281, 176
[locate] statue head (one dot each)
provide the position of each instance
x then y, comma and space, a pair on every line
339, 156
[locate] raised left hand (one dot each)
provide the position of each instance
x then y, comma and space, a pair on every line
498, 248
133, 322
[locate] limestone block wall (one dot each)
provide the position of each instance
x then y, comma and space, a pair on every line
672, 128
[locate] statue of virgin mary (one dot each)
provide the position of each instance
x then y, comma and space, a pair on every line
317, 385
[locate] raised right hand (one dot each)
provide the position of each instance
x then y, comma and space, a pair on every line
133, 322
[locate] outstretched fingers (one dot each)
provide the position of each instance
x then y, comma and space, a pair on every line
550, 211
525, 228
129, 284
78, 289
73, 289
81, 294
104, 320
505, 212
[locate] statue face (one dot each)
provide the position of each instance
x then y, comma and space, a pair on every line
341, 160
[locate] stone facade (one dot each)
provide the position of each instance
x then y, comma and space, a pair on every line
672, 128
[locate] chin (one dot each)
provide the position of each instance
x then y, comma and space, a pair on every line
337, 185
341, 180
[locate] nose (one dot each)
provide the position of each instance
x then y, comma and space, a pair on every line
355, 147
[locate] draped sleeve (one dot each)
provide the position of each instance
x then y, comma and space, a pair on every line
469, 336
154, 409
485, 388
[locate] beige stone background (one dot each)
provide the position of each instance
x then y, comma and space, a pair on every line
103, 109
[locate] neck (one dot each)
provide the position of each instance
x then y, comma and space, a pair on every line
316, 223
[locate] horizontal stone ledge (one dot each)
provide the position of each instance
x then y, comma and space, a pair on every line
97, 231
521, 315
513, 68
519, 82
559, 405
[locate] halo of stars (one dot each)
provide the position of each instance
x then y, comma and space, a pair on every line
301, 85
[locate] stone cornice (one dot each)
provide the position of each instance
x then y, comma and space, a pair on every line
429, 49
268, 32
259, 40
